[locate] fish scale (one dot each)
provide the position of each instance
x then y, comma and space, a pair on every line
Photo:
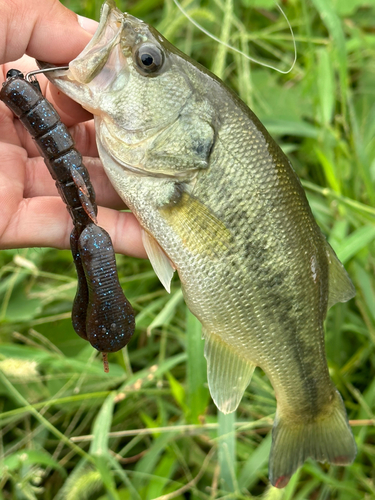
219, 202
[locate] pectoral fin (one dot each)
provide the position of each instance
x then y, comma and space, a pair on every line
341, 288
200, 230
228, 373
162, 265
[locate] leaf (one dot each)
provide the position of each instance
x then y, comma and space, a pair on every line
227, 450
329, 170
82, 483
148, 463
168, 311
143, 377
29, 457
325, 86
178, 392
289, 127
130, 492
150, 423
102, 464
366, 285
259, 4
222, 50
21, 307
348, 7
358, 240
197, 390
333, 24
161, 475
255, 464
102, 426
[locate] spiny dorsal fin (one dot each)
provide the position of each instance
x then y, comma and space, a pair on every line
228, 373
160, 262
341, 288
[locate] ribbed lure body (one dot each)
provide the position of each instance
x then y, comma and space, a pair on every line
110, 318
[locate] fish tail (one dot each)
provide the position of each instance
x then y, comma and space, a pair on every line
326, 438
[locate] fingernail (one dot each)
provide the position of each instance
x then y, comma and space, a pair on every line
87, 24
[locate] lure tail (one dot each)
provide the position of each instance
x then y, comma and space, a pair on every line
326, 438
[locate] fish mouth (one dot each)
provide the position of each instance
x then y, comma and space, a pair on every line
87, 68
91, 65
90, 62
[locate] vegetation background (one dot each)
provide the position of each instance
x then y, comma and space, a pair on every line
148, 430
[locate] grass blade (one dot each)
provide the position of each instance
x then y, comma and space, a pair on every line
198, 393
227, 451
102, 426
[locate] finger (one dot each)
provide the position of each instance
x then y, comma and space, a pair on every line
83, 135
8, 132
12, 170
38, 182
70, 111
44, 222
44, 29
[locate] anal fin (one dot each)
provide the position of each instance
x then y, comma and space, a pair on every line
228, 373
341, 288
160, 262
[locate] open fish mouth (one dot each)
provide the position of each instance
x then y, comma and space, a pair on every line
96, 67
93, 57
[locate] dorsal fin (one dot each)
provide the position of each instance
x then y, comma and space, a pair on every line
341, 288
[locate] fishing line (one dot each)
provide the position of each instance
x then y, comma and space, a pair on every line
238, 51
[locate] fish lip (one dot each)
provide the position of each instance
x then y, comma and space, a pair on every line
89, 63
73, 89
75, 82
108, 8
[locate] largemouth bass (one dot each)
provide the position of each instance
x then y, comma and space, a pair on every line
220, 203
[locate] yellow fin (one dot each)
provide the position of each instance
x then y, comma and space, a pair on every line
341, 288
200, 230
228, 373
160, 262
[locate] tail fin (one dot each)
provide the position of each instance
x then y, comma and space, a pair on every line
327, 438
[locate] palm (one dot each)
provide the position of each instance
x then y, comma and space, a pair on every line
32, 213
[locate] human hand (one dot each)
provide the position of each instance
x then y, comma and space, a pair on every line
32, 213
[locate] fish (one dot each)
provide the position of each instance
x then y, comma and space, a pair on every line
219, 202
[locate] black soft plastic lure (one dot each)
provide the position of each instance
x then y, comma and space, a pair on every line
101, 313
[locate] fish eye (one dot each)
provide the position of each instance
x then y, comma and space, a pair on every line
149, 58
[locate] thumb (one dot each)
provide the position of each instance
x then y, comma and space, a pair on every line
43, 29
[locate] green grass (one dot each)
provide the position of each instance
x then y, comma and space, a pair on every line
149, 430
